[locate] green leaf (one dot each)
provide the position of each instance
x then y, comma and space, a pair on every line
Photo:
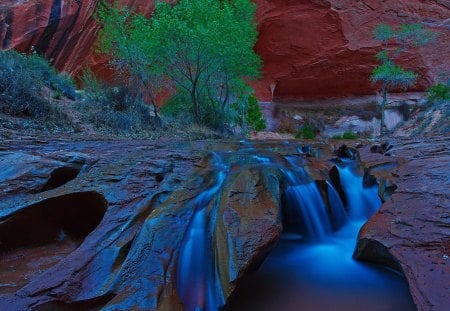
393, 76
415, 35
383, 32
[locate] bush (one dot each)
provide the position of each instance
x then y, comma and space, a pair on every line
41, 69
438, 93
22, 83
349, 135
305, 132
64, 85
178, 107
246, 113
115, 107
346, 135
255, 117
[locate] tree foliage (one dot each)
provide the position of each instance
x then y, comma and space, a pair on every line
393, 75
201, 48
122, 37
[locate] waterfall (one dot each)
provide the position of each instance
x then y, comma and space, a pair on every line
318, 272
338, 213
196, 278
363, 202
304, 209
304, 204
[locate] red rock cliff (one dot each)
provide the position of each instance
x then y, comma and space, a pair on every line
312, 49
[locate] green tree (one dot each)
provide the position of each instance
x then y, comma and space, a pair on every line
203, 48
123, 38
388, 73
248, 114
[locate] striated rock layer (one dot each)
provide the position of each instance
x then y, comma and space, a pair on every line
312, 49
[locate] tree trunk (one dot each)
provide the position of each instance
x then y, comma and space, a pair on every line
195, 106
157, 118
383, 106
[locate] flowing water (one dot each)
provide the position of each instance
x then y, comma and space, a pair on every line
196, 280
311, 268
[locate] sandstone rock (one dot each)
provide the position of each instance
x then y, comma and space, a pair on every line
60, 260
411, 230
248, 223
324, 49
311, 49
111, 237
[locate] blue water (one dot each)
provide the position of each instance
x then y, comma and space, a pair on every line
338, 214
196, 280
313, 269
313, 223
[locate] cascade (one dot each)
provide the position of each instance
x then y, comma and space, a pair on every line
304, 203
196, 279
338, 213
318, 272
363, 202
304, 209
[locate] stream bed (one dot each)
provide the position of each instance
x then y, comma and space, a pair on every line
313, 269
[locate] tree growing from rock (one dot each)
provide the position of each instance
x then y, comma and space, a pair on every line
202, 48
389, 74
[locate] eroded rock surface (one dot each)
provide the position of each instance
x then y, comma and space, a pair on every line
111, 236
412, 229
53, 258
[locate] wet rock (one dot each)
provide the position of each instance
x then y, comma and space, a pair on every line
140, 198
347, 152
61, 259
60, 176
247, 223
381, 148
412, 229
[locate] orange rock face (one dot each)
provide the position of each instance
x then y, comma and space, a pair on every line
311, 49
324, 49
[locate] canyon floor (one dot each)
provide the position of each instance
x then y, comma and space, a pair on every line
100, 224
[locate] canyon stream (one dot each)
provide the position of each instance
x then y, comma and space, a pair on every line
240, 225
311, 266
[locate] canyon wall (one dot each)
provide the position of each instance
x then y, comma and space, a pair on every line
311, 49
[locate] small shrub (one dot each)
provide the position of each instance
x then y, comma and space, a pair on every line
255, 117
349, 135
439, 93
115, 107
179, 109
346, 135
57, 95
305, 132
178, 106
22, 82
63, 84
246, 114
336, 136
